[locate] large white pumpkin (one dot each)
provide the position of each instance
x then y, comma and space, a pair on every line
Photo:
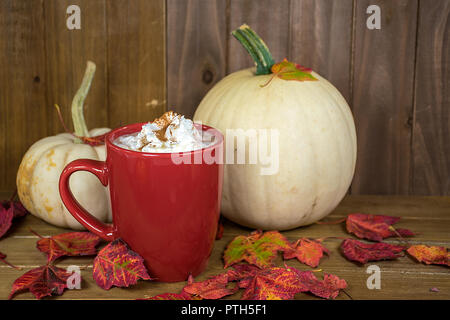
317, 148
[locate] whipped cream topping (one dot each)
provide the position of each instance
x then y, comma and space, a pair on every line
171, 132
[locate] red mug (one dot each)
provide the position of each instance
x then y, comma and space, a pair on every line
166, 212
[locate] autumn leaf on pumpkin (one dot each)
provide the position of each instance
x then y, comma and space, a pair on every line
328, 288
116, 265
287, 70
306, 251
68, 244
41, 282
374, 227
430, 254
212, 288
258, 248
274, 283
355, 250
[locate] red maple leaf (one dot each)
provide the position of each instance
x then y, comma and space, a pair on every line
430, 254
328, 288
68, 244
16, 206
243, 273
8, 211
274, 284
306, 251
116, 265
41, 282
258, 248
212, 288
355, 250
6, 216
374, 227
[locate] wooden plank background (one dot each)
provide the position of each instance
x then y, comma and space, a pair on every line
160, 54
42, 63
382, 99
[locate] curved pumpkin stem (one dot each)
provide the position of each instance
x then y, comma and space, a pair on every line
79, 123
256, 47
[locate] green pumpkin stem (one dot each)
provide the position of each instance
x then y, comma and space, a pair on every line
256, 48
79, 124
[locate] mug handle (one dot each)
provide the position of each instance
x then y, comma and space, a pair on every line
105, 231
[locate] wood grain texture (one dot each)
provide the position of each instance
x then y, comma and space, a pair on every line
136, 60
321, 39
431, 132
196, 51
23, 111
403, 278
67, 52
270, 19
383, 97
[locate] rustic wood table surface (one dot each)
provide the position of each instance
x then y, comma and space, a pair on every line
403, 278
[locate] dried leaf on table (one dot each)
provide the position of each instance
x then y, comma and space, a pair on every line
430, 254
258, 248
306, 251
212, 288
42, 281
355, 250
374, 227
328, 288
68, 244
10, 210
16, 206
6, 216
243, 273
116, 265
274, 284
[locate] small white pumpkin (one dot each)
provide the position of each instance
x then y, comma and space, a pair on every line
38, 177
317, 143
41, 166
